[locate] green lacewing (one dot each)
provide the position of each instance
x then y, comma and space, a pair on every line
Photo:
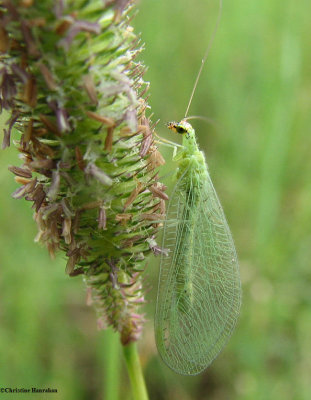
199, 290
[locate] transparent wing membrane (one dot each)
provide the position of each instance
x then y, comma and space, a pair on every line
199, 291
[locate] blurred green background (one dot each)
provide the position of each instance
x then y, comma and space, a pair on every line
256, 87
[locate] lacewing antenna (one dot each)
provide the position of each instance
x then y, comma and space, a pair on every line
210, 43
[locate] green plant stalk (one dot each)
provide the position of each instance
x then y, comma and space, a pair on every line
112, 365
135, 372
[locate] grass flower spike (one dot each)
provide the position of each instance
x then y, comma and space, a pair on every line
76, 98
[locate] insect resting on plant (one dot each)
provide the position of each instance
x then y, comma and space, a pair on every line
199, 290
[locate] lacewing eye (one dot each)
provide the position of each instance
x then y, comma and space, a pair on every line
180, 129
